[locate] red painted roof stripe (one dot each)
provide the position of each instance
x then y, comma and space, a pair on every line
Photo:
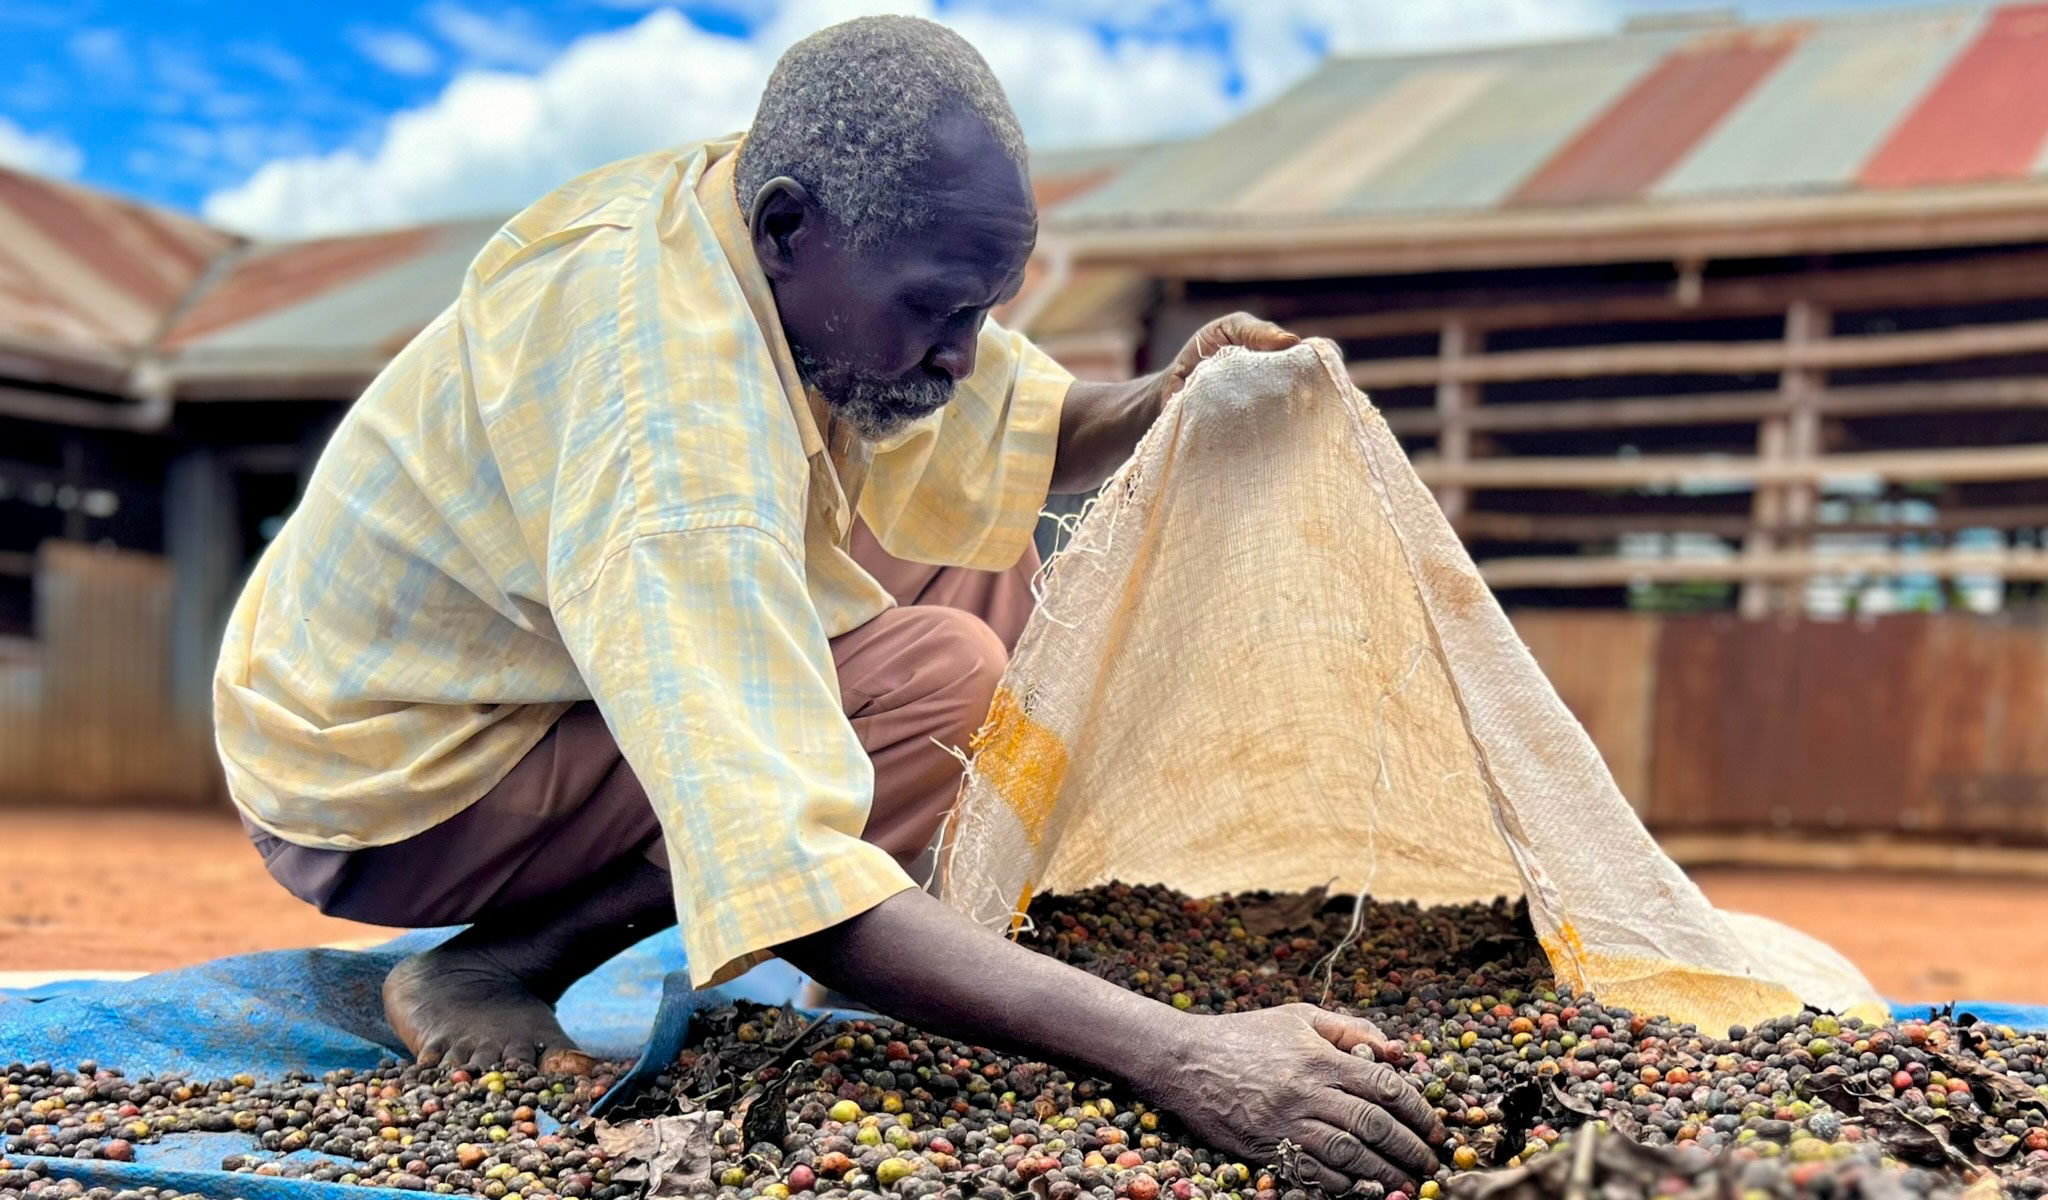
1985, 118
278, 278
1654, 124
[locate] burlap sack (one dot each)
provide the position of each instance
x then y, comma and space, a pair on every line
1266, 661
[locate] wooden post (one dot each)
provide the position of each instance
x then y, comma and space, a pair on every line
1454, 397
1791, 437
202, 538
1767, 511
1805, 322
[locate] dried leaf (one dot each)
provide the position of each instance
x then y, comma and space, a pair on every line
1907, 1138
1587, 1162
1491, 1146
1296, 910
670, 1154
1995, 1147
1834, 1088
763, 1116
1585, 1110
1989, 1088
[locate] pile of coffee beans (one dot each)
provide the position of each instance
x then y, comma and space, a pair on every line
27, 1177
766, 1104
421, 1129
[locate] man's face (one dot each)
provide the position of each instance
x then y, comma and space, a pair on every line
885, 331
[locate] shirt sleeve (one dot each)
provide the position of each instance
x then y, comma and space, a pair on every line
965, 488
708, 662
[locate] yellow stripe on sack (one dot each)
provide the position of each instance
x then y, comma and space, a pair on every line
1023, 761
1017, 918
1702, 996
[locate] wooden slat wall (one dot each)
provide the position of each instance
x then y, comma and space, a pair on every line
1604, 666
1922, 724
85, 712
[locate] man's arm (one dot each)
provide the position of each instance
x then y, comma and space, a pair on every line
1100, 423
1242, 1082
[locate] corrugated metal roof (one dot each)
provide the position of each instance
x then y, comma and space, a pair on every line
1908, 98
1650, 128
88, 279
339, 307
90, 285
1986, 118
263, 277
1478, 156
335, 304
1848, 86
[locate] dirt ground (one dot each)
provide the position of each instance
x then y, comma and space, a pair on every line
144, 891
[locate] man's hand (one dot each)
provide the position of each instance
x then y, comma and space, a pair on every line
1244, 1082
1237, 329
1100, 423
1250, 1081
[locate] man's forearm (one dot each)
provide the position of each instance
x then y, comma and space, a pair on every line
1100, 424
925, 964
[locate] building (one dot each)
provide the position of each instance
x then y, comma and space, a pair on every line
164, 389
1656, 308
1688, 324
1700, 318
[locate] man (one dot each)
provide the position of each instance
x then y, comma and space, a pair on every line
565, 642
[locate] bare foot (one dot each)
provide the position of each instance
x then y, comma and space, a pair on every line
463, 1008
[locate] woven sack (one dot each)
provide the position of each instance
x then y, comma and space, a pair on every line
1265, 661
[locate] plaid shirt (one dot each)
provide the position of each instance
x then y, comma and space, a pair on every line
598, 475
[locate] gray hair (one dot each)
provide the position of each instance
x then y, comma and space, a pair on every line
849, 113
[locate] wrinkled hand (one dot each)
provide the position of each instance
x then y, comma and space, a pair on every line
1237, 329
1257, 1078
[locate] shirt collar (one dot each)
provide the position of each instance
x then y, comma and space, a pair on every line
729, 225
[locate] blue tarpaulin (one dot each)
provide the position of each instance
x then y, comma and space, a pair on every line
319, 1010
314, 1010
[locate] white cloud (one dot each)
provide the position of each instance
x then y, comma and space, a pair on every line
42, 153
494, 140
396, 51
507, 39
104, 55
273, 60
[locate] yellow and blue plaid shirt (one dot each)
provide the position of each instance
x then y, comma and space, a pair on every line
598, 475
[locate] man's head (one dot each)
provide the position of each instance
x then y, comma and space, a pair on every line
886, 187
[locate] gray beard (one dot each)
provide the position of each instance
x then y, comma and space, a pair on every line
876, 409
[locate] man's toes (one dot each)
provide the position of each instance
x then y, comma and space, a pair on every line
567, 1060
432, 1053
519, 1052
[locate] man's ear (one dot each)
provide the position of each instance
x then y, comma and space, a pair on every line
781, 219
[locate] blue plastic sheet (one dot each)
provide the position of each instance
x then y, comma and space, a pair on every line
319, 1010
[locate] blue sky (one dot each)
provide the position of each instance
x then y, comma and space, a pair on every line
294, 118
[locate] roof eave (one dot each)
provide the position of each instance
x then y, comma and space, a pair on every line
49, 361
273, 374
1689, 230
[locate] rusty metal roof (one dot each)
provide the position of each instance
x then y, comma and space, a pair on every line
91, 285
1649, 119
327, 312
87, 280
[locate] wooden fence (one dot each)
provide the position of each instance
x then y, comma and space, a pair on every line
86, 712
1924, 724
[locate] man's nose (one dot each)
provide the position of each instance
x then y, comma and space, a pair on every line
955, 355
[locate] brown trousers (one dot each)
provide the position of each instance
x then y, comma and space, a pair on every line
915, 678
